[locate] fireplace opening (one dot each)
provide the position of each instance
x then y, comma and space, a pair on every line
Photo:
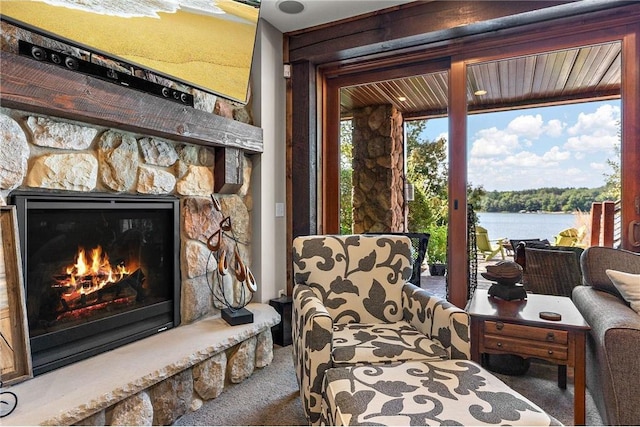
99, 272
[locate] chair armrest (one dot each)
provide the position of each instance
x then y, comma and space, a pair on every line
438, 319
312, 332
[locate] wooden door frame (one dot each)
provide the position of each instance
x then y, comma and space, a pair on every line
330, 173
608, 22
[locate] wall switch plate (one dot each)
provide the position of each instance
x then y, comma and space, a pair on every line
279, 209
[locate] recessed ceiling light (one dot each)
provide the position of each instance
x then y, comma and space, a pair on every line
480, 92
291, 6
402, 98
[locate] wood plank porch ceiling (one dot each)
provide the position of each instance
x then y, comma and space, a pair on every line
566, 76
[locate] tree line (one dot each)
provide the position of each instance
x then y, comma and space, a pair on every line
543, 199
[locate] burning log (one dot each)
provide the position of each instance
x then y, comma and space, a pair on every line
85, 292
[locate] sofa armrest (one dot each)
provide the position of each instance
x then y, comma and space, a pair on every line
614, 343
438, 319
312, 330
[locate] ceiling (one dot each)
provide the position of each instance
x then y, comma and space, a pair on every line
318, 12
584, 74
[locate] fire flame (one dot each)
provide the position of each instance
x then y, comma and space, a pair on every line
88, 276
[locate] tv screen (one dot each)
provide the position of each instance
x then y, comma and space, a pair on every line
205, 44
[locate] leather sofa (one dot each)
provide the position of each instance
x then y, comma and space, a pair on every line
613, 365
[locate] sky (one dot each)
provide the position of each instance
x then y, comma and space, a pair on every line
563, 146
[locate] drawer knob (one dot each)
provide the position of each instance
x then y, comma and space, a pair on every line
499, 344
550, 351
499, 326
550, 336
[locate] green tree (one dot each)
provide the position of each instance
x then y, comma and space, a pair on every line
545, 199
612, 184
427, 171
346, 177
474, 198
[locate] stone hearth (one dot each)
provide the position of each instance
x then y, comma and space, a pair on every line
152, 381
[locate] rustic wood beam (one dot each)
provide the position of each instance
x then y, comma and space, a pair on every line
228, 171
47, 89
413, 24
304, 152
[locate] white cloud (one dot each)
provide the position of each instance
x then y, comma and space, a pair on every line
555, 155
554, 128
598, 141
602, 121
573, 172
493, 142
597, 131
527, 159
529, 152
528, 126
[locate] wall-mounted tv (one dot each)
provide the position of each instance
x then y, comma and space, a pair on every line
205, 44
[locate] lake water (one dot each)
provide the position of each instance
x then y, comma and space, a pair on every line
525, 225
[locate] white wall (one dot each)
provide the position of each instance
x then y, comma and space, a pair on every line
269, 168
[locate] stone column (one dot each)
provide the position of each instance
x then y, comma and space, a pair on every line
378, 169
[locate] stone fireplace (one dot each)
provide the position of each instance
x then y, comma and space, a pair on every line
99, 272
70, 161
64, 135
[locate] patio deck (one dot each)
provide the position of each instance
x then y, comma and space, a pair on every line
437, 284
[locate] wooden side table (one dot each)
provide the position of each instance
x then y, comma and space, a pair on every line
515, 327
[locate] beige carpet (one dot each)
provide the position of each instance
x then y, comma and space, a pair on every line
270, 397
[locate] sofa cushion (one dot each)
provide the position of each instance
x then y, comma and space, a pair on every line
628, 285
357, 343
596, 259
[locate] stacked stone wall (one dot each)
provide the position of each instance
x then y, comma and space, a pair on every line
378, 165
49, 154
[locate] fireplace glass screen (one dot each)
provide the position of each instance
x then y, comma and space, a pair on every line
98, 272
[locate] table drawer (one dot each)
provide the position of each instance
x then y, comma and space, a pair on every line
526, 347
526, 332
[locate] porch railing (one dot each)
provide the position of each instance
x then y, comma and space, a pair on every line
606, 227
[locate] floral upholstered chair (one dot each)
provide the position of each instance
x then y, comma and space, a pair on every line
353, 305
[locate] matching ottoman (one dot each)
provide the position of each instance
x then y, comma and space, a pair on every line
446, 392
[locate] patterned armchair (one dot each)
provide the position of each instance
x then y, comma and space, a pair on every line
353, 305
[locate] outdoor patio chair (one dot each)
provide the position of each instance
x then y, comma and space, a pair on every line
552, 271
353, 305
484, 244
567, 237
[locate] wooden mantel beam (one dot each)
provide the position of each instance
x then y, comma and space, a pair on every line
47, 89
